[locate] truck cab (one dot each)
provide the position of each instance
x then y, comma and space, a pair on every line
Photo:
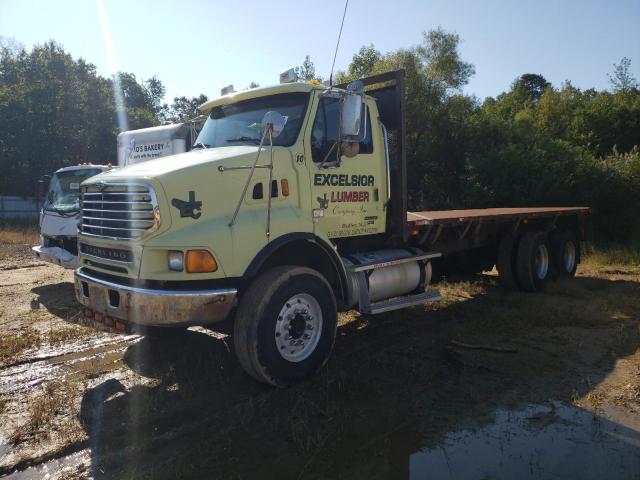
60, 214
290, 207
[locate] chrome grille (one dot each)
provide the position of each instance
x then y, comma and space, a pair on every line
120, 211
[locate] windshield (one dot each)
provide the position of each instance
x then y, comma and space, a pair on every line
64, 190
239, 123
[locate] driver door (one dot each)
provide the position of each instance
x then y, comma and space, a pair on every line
347, 192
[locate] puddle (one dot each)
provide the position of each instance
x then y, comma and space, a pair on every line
548, 441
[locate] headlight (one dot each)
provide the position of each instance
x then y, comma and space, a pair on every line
176, 260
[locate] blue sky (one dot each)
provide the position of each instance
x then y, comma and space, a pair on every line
199, 47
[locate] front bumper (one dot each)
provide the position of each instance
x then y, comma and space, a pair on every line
56, 255
143, 306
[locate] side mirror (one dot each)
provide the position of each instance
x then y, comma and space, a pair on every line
351, 109
277, 122
41, 187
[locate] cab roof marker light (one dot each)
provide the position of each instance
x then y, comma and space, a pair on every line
289, 76
227, 90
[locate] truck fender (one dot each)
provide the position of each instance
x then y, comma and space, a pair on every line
305, 249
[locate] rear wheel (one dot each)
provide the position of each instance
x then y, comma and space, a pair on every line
565, 253
506, 265
285, 325
533, 261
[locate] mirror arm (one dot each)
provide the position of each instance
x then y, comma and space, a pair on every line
326, 158
246, 185
270, 187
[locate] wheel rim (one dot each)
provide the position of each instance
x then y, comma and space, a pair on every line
298, 327
569, 256
541, 262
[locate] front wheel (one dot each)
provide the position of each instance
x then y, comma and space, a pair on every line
285, 325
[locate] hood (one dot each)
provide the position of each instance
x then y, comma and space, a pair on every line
174, 163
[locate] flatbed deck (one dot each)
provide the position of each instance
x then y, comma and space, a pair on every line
489, 215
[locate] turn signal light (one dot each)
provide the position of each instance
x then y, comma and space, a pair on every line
120, 326
88, 313
284, 183
108, 321
98, 317
200, 261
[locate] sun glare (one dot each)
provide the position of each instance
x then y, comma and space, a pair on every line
123, 123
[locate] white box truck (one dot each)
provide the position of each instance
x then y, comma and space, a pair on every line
60, 211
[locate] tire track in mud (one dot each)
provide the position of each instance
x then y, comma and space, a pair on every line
74, 360
22, 375
40, 460
20, 267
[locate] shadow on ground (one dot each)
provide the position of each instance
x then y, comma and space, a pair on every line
395, 386
58, 298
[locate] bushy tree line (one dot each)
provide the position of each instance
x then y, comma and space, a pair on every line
57, 111
535, 144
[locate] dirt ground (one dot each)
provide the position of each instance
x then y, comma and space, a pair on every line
400, 388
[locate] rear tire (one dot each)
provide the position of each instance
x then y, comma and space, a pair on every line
506, 265
533, 261
565, 253
285, 325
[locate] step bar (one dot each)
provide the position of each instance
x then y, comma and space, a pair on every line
402, 302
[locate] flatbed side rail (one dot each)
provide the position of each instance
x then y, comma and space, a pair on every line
457, 217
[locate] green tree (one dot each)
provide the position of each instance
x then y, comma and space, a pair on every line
56, 111
183, 108
622, 79
533, 85
442, 59
436, 114
363, 62
307, 71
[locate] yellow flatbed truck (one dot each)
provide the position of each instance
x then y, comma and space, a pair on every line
291, 207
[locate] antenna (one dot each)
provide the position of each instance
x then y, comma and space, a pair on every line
344, 14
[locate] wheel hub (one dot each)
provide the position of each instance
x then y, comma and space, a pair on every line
298, 327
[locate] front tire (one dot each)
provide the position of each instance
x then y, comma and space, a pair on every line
285, 326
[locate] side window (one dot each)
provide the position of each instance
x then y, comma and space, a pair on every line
325, 130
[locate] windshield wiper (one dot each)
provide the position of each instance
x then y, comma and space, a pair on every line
200, 145
244, 139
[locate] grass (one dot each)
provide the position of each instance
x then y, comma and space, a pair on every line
16, 238
52, 409
13, 345
61, 335
611, 255
18, 234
